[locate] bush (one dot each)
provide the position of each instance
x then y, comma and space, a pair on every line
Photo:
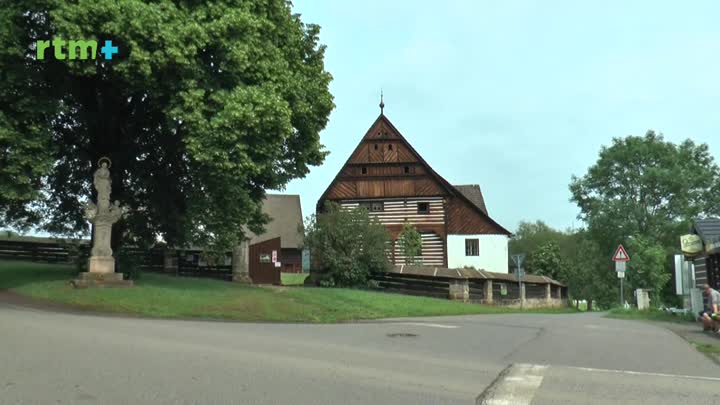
410, 243
127, 263
347, 247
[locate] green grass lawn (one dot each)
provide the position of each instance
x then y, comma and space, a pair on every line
649, 315
157, 295
293, 278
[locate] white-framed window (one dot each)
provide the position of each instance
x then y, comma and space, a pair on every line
472, 247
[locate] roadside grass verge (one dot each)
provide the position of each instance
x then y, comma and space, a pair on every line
708, 348
649, 315
293, 278
163, 296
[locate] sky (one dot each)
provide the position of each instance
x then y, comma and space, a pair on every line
516, 96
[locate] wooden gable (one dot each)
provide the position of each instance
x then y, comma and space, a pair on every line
384, 165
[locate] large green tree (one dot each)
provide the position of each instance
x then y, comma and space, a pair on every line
644, 185
207, 105
645, 191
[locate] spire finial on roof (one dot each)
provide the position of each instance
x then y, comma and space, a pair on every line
382, 103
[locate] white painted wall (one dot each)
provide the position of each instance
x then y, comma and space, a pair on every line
493, 253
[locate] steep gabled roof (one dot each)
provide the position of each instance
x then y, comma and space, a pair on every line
393, 133
285, 221
473, 193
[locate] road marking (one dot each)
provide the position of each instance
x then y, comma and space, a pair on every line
641, 373
429, 325
516, 385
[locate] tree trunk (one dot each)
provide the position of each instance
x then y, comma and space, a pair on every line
589, 304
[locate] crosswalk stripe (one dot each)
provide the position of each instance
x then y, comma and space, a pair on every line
516, 385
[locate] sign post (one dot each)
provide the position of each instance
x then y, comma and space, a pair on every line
518, 260
621, 258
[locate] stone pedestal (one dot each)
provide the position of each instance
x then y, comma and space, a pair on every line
101, 264
88, 279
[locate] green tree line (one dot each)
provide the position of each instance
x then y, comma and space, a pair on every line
642, 192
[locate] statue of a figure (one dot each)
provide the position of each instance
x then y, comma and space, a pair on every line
103, 215
101, 264
102, 184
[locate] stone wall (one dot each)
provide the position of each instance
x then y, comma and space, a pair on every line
459, 289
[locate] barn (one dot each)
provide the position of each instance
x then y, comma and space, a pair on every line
386, 175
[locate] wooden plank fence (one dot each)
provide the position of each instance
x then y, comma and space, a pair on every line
472, 286
413, 285
37, 252
148, 259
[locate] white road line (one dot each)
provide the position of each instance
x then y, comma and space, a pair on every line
429, 325
516, 385
641, 373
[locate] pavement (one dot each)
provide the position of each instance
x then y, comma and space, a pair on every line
51, 357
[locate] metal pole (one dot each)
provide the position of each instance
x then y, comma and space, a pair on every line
622, 296
520, 294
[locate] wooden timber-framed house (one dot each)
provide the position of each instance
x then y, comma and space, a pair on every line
388, 176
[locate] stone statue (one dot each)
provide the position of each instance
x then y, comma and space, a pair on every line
103, 216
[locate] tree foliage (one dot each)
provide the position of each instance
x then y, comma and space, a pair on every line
647, 186
347, 246
410, 243
590, 275
644, 192
546, 260
647, 268
207, 105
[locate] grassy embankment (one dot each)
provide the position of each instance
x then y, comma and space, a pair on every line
156, 295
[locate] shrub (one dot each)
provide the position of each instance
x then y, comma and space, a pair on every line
347, 246
410, 243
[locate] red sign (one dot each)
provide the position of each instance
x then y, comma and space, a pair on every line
621, 255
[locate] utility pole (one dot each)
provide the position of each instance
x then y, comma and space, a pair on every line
518, 259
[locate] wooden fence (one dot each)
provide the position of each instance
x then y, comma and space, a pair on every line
473, 286
149, 260
413, 284
37, 252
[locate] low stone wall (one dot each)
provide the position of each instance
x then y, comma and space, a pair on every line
476, 287
530, 303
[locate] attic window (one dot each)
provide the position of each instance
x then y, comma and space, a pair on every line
407, 169
364, 170
376, 146
390, 147
423, 208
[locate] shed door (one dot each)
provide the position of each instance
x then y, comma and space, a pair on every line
263, 269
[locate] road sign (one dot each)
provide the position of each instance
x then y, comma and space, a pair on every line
274, 256
621, 274
620, 267
621, 255
518, 259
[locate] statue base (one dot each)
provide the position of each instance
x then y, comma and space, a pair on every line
90, 279
101, 264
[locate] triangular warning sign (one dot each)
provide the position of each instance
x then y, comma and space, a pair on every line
621, 255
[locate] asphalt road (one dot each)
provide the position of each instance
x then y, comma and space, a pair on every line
62, 358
